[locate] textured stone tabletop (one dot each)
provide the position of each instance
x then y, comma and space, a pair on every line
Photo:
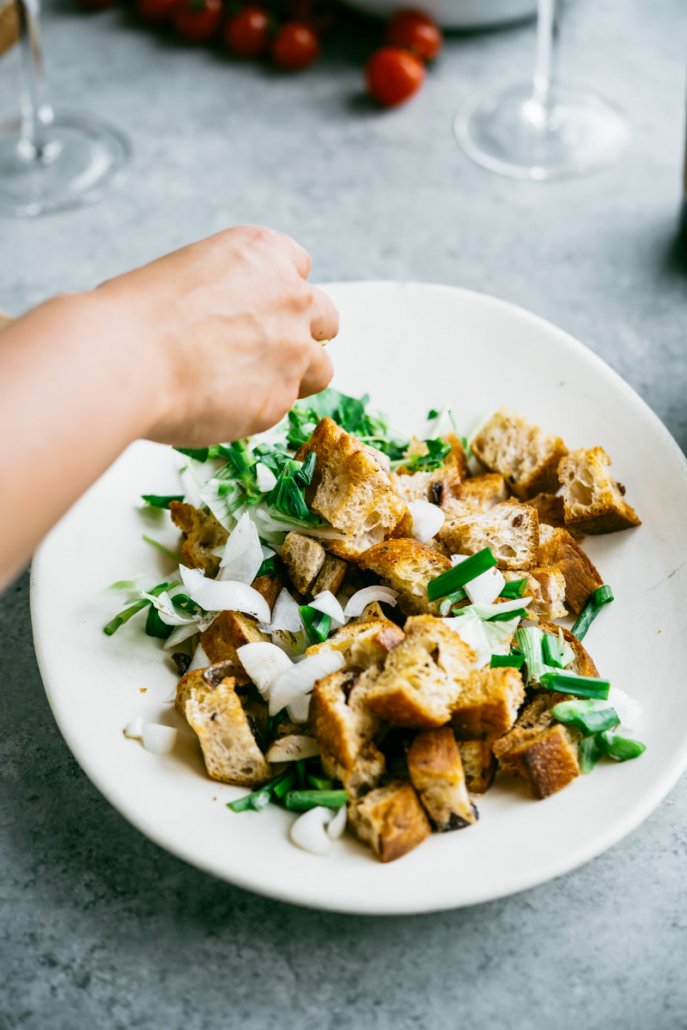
98, 927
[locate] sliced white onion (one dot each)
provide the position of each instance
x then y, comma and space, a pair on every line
301, 678
264, 663
299, 710
242, 553
337, 825
224, 595
309, 831
181, 633
485, 588
134, 728
629, 710
470, 629
265, 478
285, 615
190, 485
326, 602
456, 559
486, 611
357, 604
166, 610
293, 748
200, 660
428, 519
158, 738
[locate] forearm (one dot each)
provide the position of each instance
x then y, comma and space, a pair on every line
74, 392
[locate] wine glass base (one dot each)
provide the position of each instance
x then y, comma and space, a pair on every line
509, 133
81, 160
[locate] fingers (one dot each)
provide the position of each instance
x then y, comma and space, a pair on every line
299, 256
324, 324
318, 373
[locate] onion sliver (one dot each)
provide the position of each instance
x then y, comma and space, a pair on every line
309, 831
265, 478
285, 615
428, 519
158, 738
200, 660
134, 728
293, 748
264, 663
242, 553
485, 588
361, 598
337, 825
301, 678
328, 605
224, 595
299, 710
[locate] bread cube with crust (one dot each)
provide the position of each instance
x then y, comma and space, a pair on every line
558, 549
390, 820
215, 713
488, 703
331, 576
510, 530
436, 484
479, 764
268, 587
350, 488
407, 566
546, 587
548, 760
478, 494
227, 632
525, 456
201, 535
436, 772
550, 508
363, 643
592, 500
422, 677
303, 560
344, 728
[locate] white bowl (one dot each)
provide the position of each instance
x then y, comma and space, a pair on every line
455, 14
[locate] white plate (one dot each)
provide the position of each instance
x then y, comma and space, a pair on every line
412, 346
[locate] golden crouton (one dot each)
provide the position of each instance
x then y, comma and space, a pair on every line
532, 721
331, 575
526, 457
547, 760
423, 676
268, 587
549, 508
437, 484
227, 632
488, 703
557, 548
476, 495
407, 566
510, 530
479, 764
303, 559
390, 819
214, 712
592, 500
546, 587
201, 534
363, 643
344, 727
436, 772
350, 488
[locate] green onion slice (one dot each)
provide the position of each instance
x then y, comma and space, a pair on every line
589, 754
176, 558
256, 799
514, 588
161, 500
317, 624
595, 602
589, 716
304, 800
453, 579
580, 686
529, 641
516, 613
122, 617
552, 649
320, 782
620, 749
501, 661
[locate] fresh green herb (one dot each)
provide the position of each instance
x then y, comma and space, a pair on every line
502, 661
465, 444
155, 627
620, 749
287, 496
580, 686
517, 613
268, 567
161, 500
256, 799
589, 754
285, 785
514, 588
303, 475
595, 602
239, 467
320, 782
552, 651
529, 641
273, 456
437, 452
162, 549
432, 414
304, 800
589, 716
348, 412
114, 624
197, 453
317, 625
451, 580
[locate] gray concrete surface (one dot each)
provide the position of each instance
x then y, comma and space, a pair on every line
98, 927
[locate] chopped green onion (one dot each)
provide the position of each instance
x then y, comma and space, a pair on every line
155, 627
595, 602
197, 453
514, 588
502, 661
268, 567
256, 799
128, 613
161, 500
303, 476
589, 754
447, 603
516, 613
580, 686
437, 452
162, 549
552, 651
590, 716
451, 580
620, 749
320, 782
285, 785
317, 625
529, 640
304, 800
287, 496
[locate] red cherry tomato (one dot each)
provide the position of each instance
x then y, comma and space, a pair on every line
414, 31
393, 75
295, 46
156, 11
247, 33
197, 21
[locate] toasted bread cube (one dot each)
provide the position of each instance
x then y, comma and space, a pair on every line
268, 587
344, 727
303, 559
390, 819
557, 548
478, 494
436, 772
363, 643
214, 712
583, 664
423, 676
525, 456
548, 760
592, 500
407, 566
350, 487
201, 534
550, 508
226, 633
437, 484
532, 721
510, 530
331, 575
488, 703
479, 764
546, 587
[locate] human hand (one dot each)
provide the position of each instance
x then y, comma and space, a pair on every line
232, 324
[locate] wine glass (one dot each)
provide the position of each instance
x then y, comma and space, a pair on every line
48, 161
540, 130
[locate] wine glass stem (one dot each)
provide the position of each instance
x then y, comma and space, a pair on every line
36, 110
544, 78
